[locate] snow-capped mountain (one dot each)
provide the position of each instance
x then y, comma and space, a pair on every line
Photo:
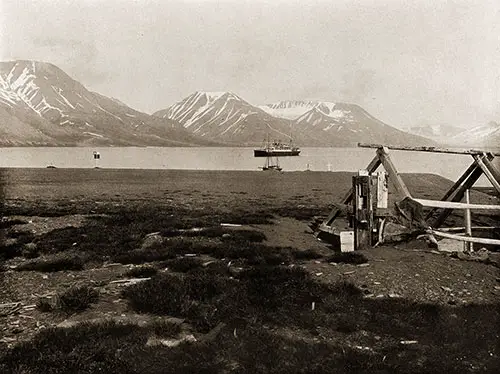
291, 109
42, 105
477, 136
224, 116
487, 136
440, 133
339, 124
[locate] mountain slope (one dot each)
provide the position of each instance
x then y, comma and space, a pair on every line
340, 124
487, 136
42, 105
224, 116
439, 133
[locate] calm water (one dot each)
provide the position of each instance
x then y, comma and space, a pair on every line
316, 159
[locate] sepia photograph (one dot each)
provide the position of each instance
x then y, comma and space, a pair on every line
237, 186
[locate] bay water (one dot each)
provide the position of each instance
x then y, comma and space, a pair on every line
225, 158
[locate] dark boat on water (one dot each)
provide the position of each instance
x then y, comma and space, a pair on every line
272, 163
276, 149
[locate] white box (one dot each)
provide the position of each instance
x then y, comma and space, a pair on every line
347, 241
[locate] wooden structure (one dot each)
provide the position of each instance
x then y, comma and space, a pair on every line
481, 165
369, 206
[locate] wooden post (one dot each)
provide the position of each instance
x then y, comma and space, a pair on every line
363, 209
382, 191
468, 225
372, 167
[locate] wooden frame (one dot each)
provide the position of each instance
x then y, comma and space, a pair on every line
451, 200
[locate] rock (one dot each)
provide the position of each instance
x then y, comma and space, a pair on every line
446, 288
406, 342
394, 232
481, 255
154, 341
450, 245
151, 240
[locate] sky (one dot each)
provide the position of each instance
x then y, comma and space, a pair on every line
409, 63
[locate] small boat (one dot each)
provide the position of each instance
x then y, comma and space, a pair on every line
276, 149
272, 163
272, 167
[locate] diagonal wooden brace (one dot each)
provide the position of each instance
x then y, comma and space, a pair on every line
489, 170
372, 167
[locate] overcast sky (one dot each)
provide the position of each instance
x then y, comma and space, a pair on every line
406, 62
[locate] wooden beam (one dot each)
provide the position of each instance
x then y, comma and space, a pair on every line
474, 228
457, 184
487, 172
428, 149
458, 195
455, 205
394, 177
469, 239
493, 169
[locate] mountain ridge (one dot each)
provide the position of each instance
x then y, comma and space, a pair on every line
41, 105
308, 122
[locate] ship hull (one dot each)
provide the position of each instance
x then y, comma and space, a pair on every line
275, 152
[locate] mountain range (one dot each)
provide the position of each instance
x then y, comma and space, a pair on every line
486, 136
40, 105
226, 117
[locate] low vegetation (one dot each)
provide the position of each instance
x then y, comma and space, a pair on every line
251, 307
141, 272
61, 263
269, 326
183, 264
355, 258
73, 300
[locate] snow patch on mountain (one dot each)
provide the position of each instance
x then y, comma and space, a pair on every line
41, 104
293, 109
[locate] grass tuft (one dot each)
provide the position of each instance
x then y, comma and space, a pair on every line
76, 299
308, 254
354, 258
